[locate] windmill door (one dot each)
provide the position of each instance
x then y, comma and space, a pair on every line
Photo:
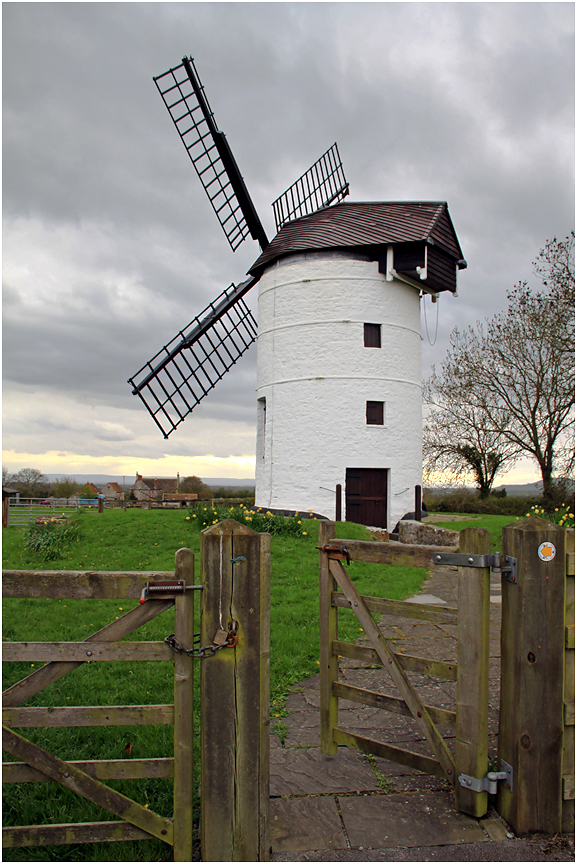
366, 496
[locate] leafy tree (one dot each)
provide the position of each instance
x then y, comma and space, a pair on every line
30, 482
195, 484
518, 369
86, 492
64, 487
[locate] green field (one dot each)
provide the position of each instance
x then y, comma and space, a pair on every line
493, 524
147, 540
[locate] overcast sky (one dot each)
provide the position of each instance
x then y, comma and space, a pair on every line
110, 245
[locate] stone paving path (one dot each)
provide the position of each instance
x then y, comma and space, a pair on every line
336, 805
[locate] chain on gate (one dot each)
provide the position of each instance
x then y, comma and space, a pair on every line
222, 639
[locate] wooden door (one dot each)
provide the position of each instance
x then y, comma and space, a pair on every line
366, 496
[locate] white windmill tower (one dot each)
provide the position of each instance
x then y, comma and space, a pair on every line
339, 339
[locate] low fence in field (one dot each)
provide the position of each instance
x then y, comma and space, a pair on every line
25, 511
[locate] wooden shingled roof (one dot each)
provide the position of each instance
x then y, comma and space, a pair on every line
356, 225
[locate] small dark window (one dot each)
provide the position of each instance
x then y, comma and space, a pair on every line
372, 335
375, 413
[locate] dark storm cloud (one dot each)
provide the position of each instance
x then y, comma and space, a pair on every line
110, 245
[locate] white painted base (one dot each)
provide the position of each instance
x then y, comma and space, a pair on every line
314, 377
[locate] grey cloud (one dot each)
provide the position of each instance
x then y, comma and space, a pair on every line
466, 102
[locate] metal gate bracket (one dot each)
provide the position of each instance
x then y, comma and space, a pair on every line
461, 559
489, 783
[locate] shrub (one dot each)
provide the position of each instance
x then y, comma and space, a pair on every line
466, 501
51, 537
258, 520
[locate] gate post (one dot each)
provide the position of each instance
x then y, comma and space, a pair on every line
472, 726
235, 695
183, 711
532, 677
329, 662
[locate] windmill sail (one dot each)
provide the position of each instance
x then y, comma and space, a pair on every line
323, 183
208, 149
185, 370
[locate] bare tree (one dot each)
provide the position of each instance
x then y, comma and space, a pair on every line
518, 370
460, 439
30, 482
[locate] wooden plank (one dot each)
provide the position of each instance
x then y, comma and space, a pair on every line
82, 832
397, 554
389, 659
42, 652
391, 703
40, 678
569, 713
100, 715
472, 729
264, 693
93, 790
532, 673
101, 769
328, 631
387, 751
183, 792
568, 805
79, 584
422, 665
422, 611
235, 750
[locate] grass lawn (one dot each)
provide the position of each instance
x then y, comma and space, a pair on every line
147, 540
493, 524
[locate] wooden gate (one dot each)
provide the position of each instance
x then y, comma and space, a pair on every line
60, 658
471, 672
366, 496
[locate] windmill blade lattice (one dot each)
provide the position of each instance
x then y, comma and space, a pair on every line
323, 183
173, 383
208, 149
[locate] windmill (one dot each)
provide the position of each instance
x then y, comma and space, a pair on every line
336, 279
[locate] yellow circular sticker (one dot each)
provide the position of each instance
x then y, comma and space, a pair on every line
546, 551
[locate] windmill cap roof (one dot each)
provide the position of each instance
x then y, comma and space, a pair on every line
354, 225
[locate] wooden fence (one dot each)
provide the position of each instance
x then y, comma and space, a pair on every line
537, 713
234, 700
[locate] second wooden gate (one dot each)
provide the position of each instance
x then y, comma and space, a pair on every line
466, 769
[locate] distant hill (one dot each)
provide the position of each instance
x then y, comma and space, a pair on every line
526, 490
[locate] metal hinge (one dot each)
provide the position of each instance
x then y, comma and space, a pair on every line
493, 560
489, 783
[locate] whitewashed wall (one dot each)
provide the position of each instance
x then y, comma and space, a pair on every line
316, 377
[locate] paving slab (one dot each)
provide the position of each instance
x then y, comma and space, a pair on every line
430, 599
299, 824
416, 819
306, 772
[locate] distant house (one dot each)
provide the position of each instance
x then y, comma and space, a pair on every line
183, 498
113, 492
153, 488
88, 490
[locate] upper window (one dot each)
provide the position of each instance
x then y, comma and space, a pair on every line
375, 413
372, 335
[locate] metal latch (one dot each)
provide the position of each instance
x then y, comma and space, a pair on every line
170, 588
336, 550
489, 783
493, 560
